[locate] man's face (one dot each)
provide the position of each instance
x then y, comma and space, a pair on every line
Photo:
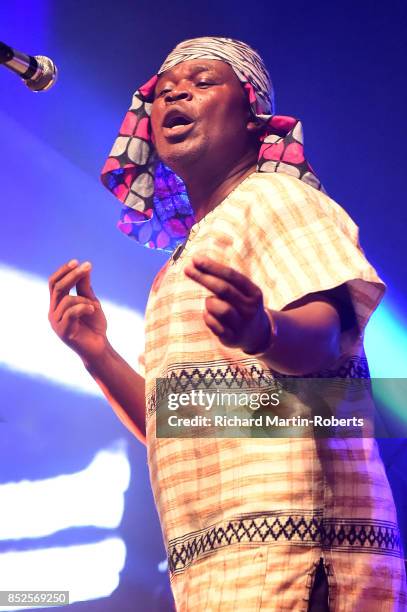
200, 113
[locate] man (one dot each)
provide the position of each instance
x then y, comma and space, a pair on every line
267, 279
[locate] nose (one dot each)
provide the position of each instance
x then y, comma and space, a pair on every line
177, 94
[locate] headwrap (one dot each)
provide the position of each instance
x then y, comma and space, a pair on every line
156, 211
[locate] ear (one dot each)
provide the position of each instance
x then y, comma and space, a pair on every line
254, 126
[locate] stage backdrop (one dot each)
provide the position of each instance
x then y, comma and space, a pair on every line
76, 507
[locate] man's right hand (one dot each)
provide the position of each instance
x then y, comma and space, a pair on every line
77, 319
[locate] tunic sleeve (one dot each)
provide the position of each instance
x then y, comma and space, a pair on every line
300, 242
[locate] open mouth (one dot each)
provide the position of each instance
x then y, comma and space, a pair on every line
177, 122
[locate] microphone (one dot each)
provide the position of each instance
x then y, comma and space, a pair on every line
39, 73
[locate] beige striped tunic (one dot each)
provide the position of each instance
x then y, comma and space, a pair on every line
245, 521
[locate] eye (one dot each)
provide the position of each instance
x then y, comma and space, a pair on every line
203, 84
163, 92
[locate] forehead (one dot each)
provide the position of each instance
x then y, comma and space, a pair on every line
192, 67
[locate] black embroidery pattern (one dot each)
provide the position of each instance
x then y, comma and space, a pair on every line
244, 375
354, 367
307, 529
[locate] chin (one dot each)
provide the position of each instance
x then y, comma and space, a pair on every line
183, 154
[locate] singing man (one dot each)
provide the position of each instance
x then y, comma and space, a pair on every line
265, 278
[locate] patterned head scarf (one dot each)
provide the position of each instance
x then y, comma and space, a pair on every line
156, 211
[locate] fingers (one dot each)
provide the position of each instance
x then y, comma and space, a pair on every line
224, 334
217, 286
64, 269
67, 302
239, 281
226, 314
246, 304
65, 278
213, 324
71, 317
234, 310
84, 288
77, 311
223, 320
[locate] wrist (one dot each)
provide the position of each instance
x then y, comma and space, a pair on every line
269, 338
99, 362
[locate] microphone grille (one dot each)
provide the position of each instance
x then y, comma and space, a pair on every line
45, 75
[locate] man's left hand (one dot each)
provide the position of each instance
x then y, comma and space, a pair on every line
235, 312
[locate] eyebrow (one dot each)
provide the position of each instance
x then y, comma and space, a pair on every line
194, 70
202, 68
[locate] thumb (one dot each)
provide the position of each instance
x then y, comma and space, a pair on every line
84, 288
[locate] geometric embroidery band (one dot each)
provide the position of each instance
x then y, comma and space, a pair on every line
302, 528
